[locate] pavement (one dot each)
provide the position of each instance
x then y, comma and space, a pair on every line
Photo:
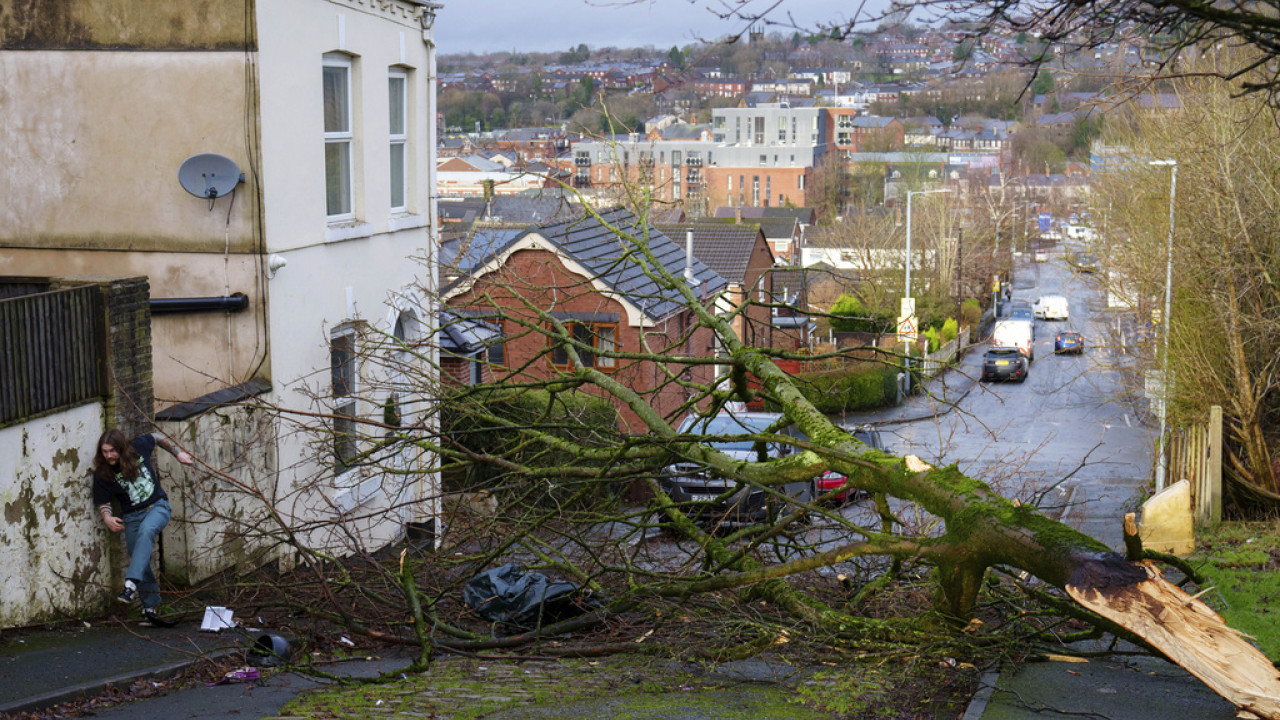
42, 667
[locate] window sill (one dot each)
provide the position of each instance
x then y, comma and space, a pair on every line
406, 221
347, 230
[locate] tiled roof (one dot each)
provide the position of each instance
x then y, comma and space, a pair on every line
607, 254
776, 227
541, 209
727, 249
802, 214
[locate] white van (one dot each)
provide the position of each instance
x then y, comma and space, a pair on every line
1051, 307
1015, 334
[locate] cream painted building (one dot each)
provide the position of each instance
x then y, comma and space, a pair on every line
304, 279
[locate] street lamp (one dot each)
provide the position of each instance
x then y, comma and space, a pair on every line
1168, 302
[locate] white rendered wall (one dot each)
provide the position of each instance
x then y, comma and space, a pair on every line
57, 556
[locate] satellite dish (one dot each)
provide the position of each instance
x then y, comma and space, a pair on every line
208, 175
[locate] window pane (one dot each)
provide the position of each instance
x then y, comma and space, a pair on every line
397, 175
395, 91
342, 365
582, 333
337, 175
605, 343
344, 436
337, 116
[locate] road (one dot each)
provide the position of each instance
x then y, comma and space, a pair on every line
1068, 435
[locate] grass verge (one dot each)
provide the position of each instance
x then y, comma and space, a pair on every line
1241, 560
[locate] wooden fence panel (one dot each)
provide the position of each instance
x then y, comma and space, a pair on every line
52, 351
1195, 454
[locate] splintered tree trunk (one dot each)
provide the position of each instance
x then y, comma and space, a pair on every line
985, 529
1192, 635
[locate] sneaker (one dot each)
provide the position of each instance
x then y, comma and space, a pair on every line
149, 618
129, 593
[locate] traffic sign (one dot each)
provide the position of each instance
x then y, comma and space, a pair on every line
907, 329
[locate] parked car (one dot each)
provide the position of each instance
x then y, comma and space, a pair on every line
1051, 307
716, 499
1041, 255
1068, 342
1085, 262
1004, 363
832, 480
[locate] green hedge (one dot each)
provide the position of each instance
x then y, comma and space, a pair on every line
571, 415
868, 388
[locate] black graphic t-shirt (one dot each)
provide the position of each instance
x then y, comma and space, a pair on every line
134, 494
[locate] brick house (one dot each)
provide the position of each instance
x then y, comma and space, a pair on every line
576, 272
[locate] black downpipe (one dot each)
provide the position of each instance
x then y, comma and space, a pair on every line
228, 303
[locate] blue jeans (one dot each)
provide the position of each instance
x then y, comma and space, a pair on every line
140, 530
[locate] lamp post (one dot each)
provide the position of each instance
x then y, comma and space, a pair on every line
1164, 332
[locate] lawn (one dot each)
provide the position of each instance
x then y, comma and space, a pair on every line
1241, 561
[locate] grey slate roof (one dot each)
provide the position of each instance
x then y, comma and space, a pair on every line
465, 210
725, 248
463, 335
803, 214
777, 228
601, 251
535, 209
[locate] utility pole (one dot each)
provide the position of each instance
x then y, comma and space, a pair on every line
1165, 383
959, 272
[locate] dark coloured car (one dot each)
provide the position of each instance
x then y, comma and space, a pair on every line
1085, 262
715, 499
1004, 363
832, 480
1068, 342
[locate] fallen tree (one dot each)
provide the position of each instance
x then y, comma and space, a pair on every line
553, 508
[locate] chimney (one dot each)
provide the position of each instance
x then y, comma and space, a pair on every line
737, 214
689, 276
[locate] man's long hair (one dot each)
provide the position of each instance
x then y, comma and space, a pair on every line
128, 464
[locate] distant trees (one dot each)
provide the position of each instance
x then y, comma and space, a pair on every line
850, 314
1043, 83
964, 49
676, 56
580, 54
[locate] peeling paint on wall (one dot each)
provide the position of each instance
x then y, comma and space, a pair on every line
57, 555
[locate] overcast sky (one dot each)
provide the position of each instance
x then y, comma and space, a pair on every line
558, 25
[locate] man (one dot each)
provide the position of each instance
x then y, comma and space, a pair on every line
122, 471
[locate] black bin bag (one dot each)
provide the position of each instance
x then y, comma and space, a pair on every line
510, 594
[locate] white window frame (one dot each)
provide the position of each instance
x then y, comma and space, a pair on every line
342, 140
398, 141
345, 386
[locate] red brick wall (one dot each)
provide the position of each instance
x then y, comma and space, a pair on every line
537, 279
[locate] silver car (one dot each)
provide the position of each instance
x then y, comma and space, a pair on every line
718, 500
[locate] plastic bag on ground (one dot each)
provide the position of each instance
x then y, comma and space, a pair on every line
511, 594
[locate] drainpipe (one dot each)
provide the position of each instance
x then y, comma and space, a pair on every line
226, 303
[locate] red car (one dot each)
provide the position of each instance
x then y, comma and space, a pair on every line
832, 480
